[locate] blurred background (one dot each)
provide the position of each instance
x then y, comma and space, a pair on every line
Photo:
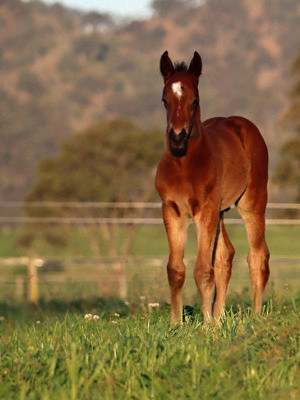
82, 130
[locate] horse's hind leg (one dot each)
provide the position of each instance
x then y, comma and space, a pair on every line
207, 225
222, 268
176, 226
258, 257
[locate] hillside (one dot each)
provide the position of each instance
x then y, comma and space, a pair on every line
62, 69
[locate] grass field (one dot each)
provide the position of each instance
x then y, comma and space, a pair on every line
123, 351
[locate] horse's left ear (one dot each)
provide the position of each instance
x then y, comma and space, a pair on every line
195, 67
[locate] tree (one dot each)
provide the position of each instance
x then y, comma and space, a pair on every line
288, 170
111, 161
165, 7
97, 21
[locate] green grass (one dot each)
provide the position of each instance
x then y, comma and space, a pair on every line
54, 353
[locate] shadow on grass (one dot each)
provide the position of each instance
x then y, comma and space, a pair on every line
106, 307
60, 308
241, 303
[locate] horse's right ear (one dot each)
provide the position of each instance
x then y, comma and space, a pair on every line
166, 66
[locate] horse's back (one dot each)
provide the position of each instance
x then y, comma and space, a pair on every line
254, 144
241, 146
246, 131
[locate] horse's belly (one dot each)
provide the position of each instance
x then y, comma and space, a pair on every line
234, 184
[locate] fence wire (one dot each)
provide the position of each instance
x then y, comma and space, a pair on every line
109, 206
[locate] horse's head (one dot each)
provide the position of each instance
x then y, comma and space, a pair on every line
181, 100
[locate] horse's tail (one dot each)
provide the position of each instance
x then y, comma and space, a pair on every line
221, 214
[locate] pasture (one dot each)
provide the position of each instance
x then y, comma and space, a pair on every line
122, 352
80, 344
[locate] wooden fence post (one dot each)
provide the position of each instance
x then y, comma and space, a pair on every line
121, 282
33, 290
20, 287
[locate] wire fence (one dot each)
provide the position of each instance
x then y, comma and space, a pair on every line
126, 207
118, 273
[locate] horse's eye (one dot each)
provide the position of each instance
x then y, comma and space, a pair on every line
165, 102
195, 103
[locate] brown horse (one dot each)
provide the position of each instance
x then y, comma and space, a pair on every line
207, 167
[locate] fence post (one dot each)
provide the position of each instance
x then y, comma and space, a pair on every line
19, 287
33, 290
121, 283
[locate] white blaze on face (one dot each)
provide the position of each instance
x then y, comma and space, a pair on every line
177, 89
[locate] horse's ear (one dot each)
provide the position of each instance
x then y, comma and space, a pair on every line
166, 66
195, 67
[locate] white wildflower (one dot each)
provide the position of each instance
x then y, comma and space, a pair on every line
152, 305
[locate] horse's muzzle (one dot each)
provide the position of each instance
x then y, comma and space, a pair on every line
178, 143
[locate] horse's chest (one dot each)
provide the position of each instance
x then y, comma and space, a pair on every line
176, 184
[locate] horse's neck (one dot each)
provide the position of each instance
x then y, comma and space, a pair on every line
199, 130
201, 143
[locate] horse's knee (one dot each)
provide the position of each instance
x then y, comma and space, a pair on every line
265, 266
259, 264
259, 256
176, 274
227, 258
205, 278
224, 259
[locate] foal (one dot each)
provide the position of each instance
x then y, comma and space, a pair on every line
205, 169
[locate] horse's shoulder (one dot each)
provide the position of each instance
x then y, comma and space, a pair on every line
240, 122
213, 121
223, 123
232, 121
228, 128
234, 124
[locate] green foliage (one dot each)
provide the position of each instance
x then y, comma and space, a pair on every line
54, 354
288, 170
110, 161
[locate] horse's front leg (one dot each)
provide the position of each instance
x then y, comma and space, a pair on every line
176, 225
206, 223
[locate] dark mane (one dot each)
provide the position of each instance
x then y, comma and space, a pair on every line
180, 66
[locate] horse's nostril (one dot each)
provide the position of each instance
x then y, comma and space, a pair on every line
177, 137
178, 143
